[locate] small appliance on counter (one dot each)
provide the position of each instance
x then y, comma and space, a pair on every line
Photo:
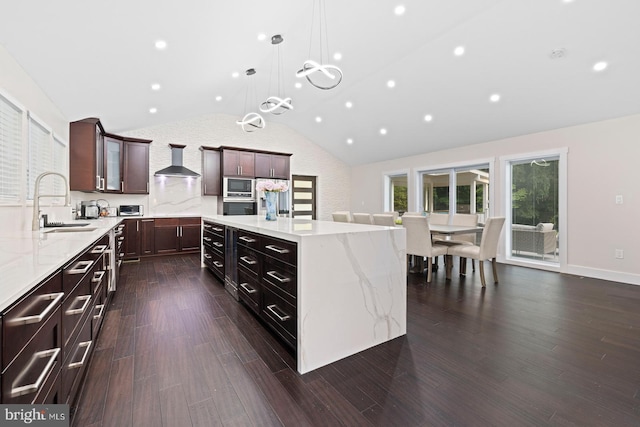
89, 210
131, 210
105, 209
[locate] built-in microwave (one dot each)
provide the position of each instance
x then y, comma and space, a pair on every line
238, 189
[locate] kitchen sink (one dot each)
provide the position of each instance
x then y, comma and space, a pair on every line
71, 229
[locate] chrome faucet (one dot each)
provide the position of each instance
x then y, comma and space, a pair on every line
35, 224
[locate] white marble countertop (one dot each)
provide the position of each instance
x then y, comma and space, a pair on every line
290, 228
28, 257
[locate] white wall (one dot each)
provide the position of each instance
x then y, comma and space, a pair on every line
602, 163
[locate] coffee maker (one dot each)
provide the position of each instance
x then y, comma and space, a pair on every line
89, 210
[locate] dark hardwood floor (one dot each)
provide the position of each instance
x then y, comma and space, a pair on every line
540, 348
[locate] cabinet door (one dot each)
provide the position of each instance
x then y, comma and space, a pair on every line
280, 166
112, 165
211, 173
238, 163
147, 236
167, 235
131, 239
190, 237
85, 145
263, 165
136, 168
247, 164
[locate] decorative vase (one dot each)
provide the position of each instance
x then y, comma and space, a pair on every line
271, 197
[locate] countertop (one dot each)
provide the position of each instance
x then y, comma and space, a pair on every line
28, 257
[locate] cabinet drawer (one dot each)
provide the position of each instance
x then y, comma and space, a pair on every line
76, 361
249, 259
74, 308
281, 249
167, 222
76, 271
249, 290
35, 366
283, 277
21, 321
214, 241
214, 228
98, 311
280, 315
248, 239
98, 248
214, 261
190, 221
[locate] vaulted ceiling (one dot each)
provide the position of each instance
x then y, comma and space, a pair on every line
98, 58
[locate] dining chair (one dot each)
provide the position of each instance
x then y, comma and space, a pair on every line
362, 218
438, 218
419, 241
487, 249
395, 214
384, 219
464, 239
341, 216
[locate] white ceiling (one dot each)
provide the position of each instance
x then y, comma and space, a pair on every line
97, 58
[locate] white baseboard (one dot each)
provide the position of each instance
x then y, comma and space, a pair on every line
614, 276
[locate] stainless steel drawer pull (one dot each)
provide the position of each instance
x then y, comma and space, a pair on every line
248, 288
32, 388
86, 299
218, 244
246, 239
87, 346
207, 239
97, 276
81, 267
99, 315
218, 264
277, 249
207, 256
219, 230
279, 278
272, 308
26, 320
248, 260
98, 249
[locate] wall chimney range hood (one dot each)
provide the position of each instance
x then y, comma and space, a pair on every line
176, 168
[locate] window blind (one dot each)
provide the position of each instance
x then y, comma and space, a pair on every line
10, 150
40, 157
59, 164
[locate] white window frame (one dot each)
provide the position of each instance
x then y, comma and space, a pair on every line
386, 185
19, 200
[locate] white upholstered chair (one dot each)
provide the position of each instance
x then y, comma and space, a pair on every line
438, 218
395, 214
419, 241
362, 218
341, 216
384, 219
464, 239
487, 249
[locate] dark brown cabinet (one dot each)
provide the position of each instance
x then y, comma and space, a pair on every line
139, 237
177, 235
213, 245
272, 165
211, 184
238, 163
105, 162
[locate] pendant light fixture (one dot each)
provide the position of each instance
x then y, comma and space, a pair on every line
276, 104
320, 74
251, 121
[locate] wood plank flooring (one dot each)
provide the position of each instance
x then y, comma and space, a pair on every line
540, 348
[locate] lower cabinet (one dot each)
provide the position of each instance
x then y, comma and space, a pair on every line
139, 237
213, 245
177, 235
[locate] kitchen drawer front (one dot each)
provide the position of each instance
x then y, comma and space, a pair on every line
96, 250
76, 271
190, 221
214, 261
280, 315
249, 260
281, 276
214, 241
248, 239
249, 290
99, 309
74, 308
76, 361
167, 222
281, 249
23, 320
35, 366
214, 228
100, 274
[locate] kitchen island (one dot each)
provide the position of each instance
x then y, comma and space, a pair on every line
350, 284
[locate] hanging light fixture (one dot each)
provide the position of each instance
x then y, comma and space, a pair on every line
320, 74
251, 121
277, 104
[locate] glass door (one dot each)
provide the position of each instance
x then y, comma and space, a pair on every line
113, 160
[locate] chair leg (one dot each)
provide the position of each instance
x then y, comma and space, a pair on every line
495, 270
481, 263
473, 265
429, 267
463, 266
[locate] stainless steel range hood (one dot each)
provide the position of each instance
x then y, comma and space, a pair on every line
176, 168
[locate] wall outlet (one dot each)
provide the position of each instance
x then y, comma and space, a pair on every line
619, 254
619, 199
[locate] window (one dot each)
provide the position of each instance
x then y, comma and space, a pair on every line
59, 163
10, 150
40, 157
396, 193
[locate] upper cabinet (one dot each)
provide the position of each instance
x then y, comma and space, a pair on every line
210, 171
238, 163
104, 162
272, 165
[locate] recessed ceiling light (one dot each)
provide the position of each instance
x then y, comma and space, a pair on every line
383, 131
391, 84
155, 86
298, 85
567, 1
599, 66
428, 118
153, 110
235, 74
262, 37
161, 44
399, 10
337, 56
318, 119
218, 98
348, 104
349, 141
458, 51
494, 98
